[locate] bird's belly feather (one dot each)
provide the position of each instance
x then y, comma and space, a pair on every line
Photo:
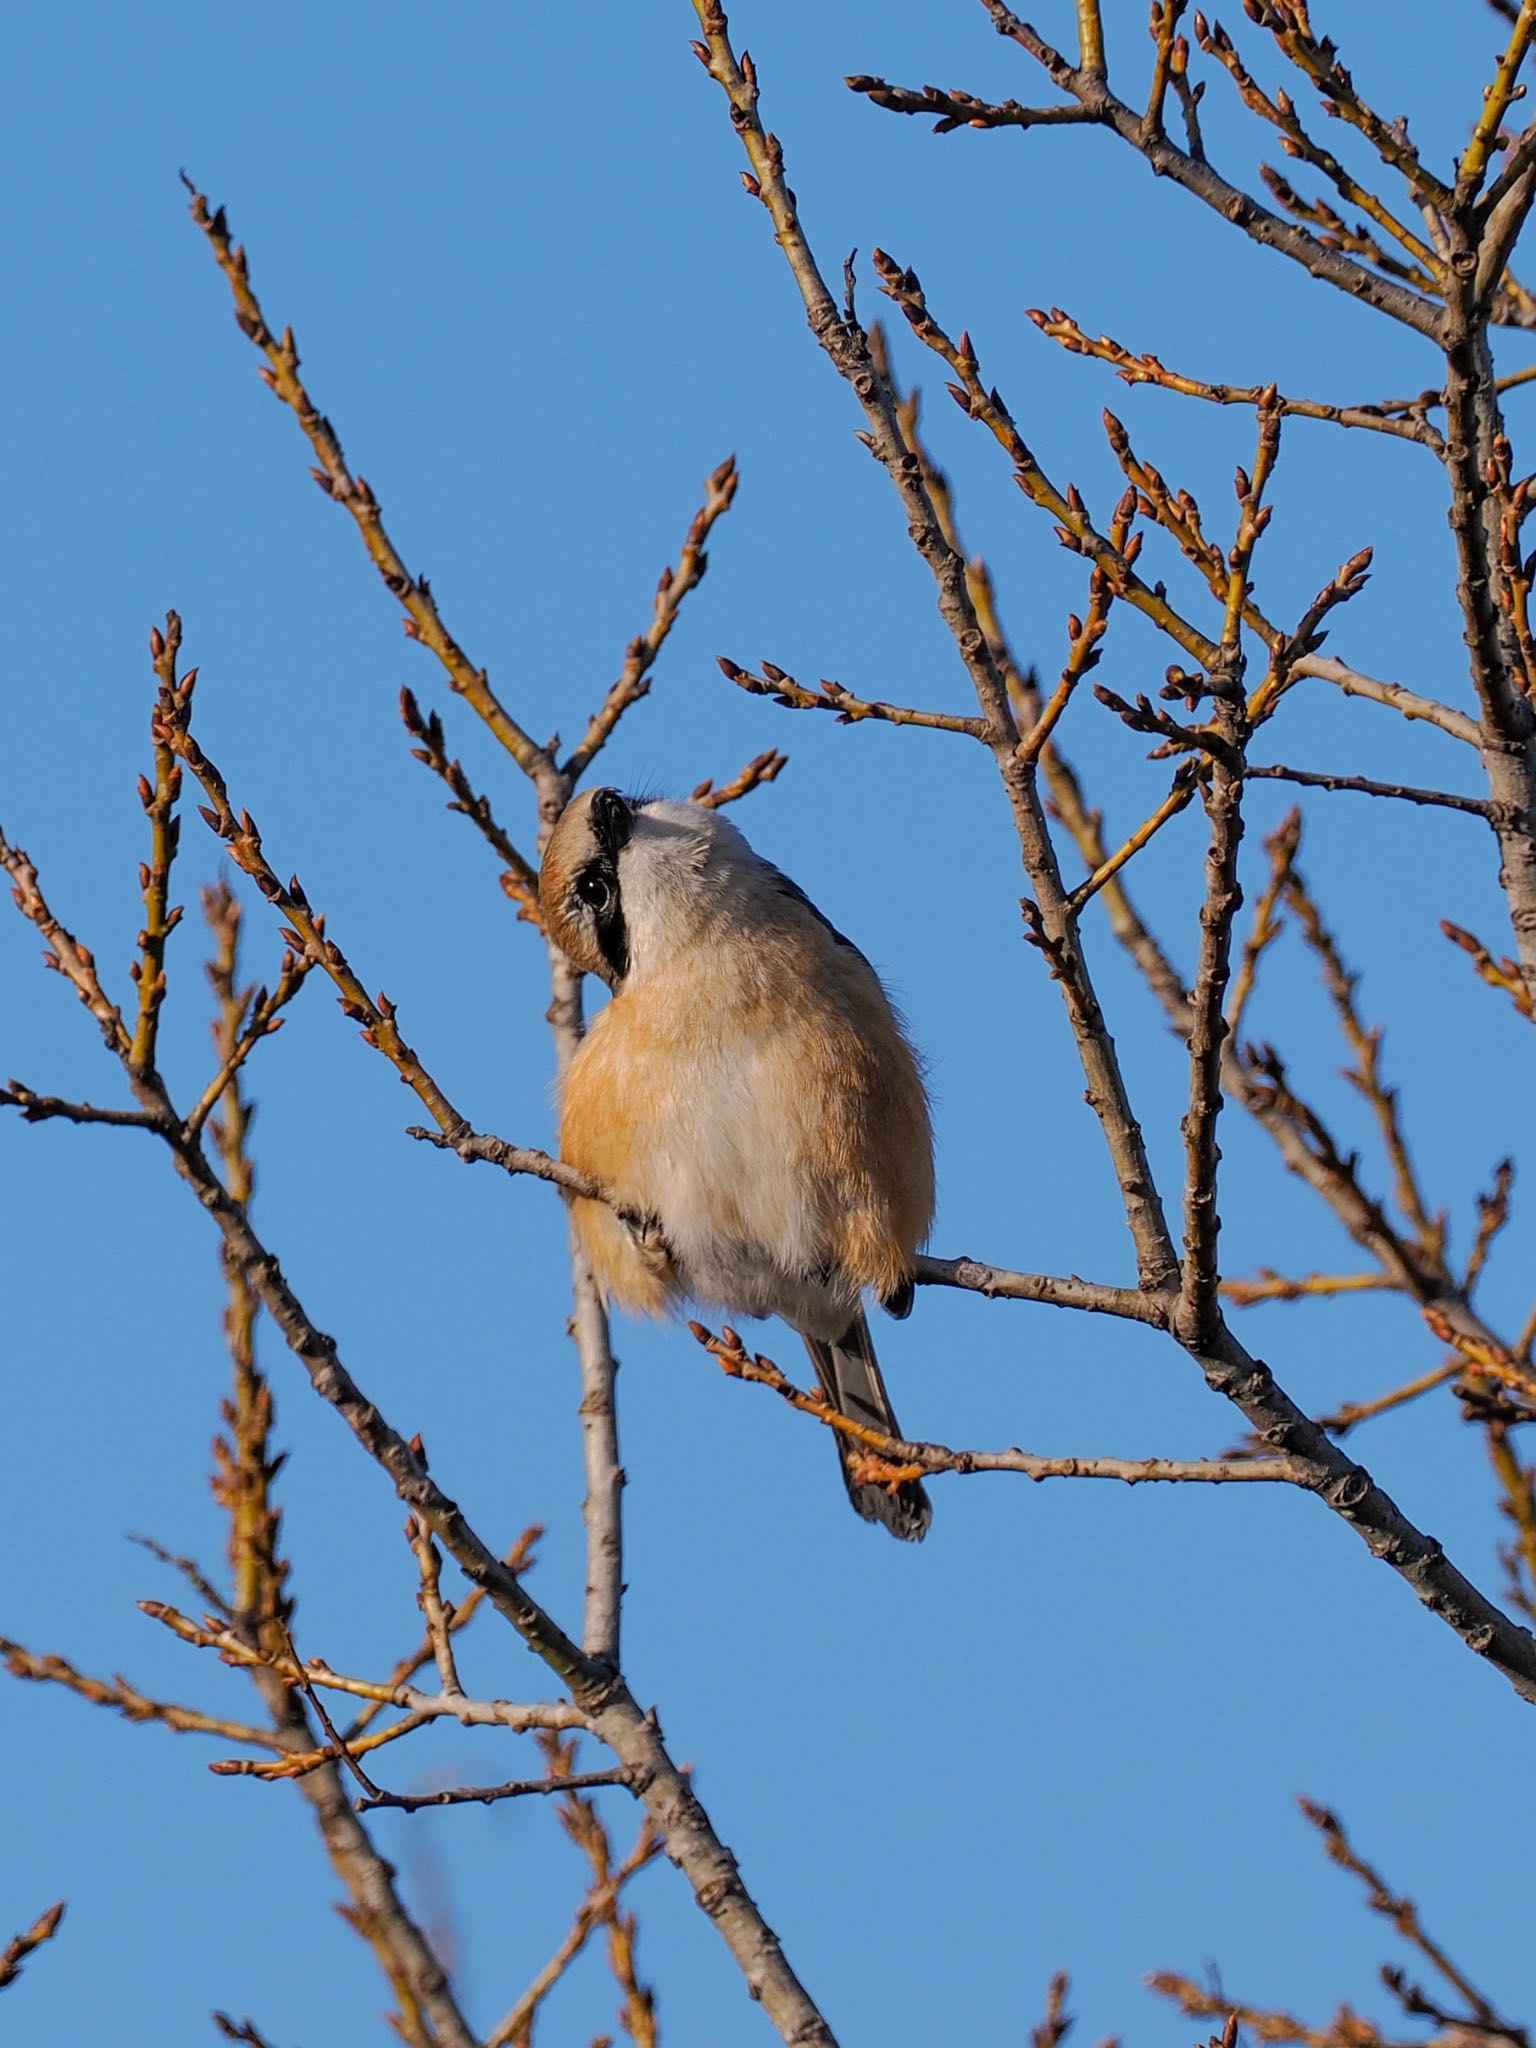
707, 1134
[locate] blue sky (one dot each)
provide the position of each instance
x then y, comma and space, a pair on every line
1068, 1731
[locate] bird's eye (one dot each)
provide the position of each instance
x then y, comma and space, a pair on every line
595, 891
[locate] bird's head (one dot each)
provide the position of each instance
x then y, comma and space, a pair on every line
626, 884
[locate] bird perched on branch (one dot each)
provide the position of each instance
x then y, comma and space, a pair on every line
748, 1098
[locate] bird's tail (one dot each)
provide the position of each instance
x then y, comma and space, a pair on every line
850, 1379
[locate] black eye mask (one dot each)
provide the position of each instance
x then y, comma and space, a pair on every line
597, 886
612, 934
612, 821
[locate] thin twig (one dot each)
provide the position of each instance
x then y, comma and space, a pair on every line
1272, 1286
299, 1763
634, 680
333, 1733
1366, 1075
430, 1600
1502, 973
159, 801
1477, 807
1352, 1412
776, 683
191, 1571
487, 1795
245, 2030
38, 1109
16, 1951
581, 1820
762, 768
1281, 845
433, 753
596, 1909
1327, 668
519, 1559
1492, 1215
1404, 1916
998, 1284
423, 620
128, 1701
1149, 369
1188, 168
469, 1713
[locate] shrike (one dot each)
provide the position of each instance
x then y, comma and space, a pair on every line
749, 1095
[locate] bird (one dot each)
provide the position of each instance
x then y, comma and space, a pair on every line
748, 1100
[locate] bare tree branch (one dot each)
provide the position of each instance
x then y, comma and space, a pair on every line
895, 1460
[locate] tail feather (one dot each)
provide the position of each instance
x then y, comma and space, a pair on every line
850, 1379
